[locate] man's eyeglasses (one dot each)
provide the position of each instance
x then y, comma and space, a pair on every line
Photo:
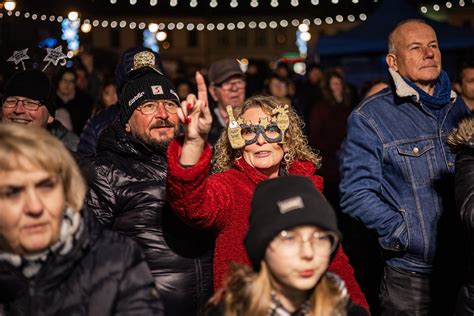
28, 104
233, 84
150, 107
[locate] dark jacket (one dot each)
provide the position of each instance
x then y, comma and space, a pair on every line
68, 138
128, 194
462, 141
79, 108
104, 274
94, 127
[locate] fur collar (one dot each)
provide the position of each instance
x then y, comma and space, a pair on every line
463, 136
403, 90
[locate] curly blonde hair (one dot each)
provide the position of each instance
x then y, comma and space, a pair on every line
296, 142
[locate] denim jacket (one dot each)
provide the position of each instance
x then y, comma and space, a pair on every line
395, 166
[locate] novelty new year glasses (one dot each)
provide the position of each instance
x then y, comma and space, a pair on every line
272, 128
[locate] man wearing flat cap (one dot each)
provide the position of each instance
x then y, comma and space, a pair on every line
127, 191
29, 100
227, 87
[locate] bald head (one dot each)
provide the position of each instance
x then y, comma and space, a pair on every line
395, 33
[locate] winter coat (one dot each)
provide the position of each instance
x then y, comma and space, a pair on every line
68, 138
462, 141
221, 203
93, 128
104, 274
128, 194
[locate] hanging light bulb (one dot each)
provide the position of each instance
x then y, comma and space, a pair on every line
73, 15
9, 5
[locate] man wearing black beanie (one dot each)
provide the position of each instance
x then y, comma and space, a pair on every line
28, 99
127, 191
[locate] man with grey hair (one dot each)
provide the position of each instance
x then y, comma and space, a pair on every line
227, 87
397, 174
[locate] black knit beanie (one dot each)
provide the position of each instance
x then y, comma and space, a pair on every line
32, 84
145, 86
284, 203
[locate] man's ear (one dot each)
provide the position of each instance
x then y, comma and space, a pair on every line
213, 93
391, 60
127, 128
50, 119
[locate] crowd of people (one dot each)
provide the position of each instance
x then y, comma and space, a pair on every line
237, 194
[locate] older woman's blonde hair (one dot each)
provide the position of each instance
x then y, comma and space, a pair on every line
296, 142
24, 145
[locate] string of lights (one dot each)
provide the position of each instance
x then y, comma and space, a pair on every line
87, 23
232, 3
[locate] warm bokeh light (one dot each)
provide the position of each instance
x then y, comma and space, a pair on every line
73, 15
9, 5
161, 36
86, 27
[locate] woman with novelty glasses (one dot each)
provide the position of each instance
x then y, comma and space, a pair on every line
263, 141
291, 239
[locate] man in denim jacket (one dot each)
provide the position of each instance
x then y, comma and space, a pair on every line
397, 168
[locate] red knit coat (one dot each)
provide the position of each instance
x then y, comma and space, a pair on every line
221, 202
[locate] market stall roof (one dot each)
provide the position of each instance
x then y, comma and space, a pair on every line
371, 35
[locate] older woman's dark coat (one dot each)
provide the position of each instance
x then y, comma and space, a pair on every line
104, 274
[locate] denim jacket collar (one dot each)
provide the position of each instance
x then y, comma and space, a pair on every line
403, 90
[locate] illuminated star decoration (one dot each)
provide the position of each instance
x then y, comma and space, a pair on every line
18, 57
54, 56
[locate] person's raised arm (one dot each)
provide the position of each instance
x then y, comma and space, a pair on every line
196, 118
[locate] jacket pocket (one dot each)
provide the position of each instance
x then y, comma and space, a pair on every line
398, 240
417, 162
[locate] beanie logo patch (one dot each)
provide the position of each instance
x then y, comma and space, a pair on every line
157, 90
290, 204
135, 98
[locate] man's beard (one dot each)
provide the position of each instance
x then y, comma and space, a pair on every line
155, 145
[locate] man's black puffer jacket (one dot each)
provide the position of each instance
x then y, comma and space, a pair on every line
104, 274
462, 141
128, 193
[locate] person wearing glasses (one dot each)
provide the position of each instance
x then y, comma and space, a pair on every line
28, 99
291, 240
227, 87
263, 140
128, 191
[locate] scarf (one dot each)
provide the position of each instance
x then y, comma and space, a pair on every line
71, 229
277, 308
441, 95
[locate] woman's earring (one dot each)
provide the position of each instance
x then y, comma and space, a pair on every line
287, 157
